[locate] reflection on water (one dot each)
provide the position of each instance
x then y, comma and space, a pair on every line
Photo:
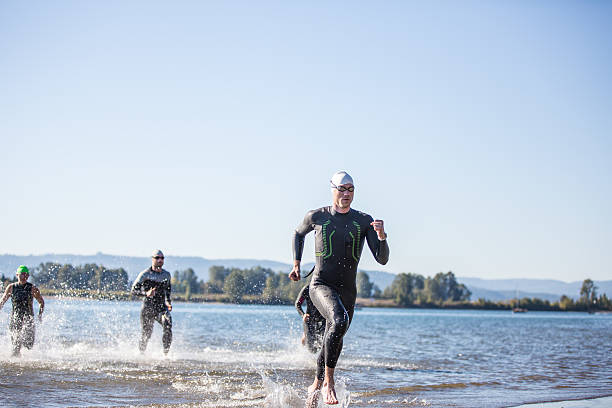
241, 356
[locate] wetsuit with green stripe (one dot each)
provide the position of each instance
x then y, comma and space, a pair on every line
339, 241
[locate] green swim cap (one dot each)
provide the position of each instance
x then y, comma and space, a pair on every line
23, 269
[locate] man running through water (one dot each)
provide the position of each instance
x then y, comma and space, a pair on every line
340, 233
314, 324
21, 324
154, 284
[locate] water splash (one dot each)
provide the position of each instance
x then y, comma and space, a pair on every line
280, 395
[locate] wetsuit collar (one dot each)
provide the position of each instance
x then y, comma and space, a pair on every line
334, 212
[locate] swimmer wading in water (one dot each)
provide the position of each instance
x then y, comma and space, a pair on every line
21, 325
340, 233
154, 285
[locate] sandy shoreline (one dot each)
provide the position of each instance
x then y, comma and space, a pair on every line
599, 402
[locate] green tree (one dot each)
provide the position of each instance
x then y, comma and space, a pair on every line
89, 276
111, 280
234, 285
271, 292
588, 293
216, 278
255, 279
84, 276
604, 303
404, 288
364, 286
280, 289
176, 282
566, 303
5, 281
65, 277
207, 287
45, 275
189, 281
443, 287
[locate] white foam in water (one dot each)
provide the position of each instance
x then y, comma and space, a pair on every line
102, 332
103, 338
280, 395
285, 396
342, 393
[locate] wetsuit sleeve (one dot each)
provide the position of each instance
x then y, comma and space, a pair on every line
380, 249
300, 234
300, 299
137, 288
168, 290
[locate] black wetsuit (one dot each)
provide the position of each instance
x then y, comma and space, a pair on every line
339, 239
154, 308
21, 324
314, 328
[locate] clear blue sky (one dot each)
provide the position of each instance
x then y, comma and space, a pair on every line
481, 132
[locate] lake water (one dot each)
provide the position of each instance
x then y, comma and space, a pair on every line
241, 356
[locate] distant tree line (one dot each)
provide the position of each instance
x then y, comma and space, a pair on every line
255, 283
263, 285
4, 281
89, 277
587, 302
409, 289
443, 290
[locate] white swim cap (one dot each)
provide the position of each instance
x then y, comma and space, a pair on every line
340, 178
157, 252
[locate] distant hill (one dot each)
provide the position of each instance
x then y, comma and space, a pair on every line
491, 289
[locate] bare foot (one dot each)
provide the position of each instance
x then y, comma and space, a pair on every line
329, 394
313, 396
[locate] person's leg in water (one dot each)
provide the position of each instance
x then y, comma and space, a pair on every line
165, 320
147, 317
28, 333
338, 316
319, 333
309, 339
15, 326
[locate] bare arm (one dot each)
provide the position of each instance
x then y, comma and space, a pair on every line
7, 294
